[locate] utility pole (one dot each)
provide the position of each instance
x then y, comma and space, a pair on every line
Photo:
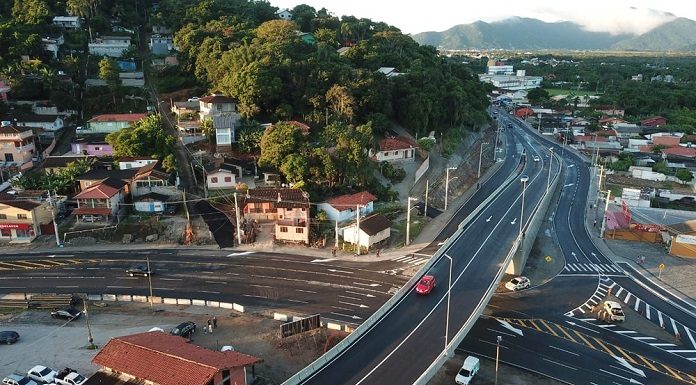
427, 184
52, 204
357, 231
90, 339
447, 179
604, 218
336, 232
408, 220
149, 281
237, 219
478, 176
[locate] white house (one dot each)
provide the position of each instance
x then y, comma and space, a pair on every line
223, 177
112, 46
151, 202
343, 207
47, 122
396, 149
284, 14
223, 112
52, 44
134, 162
373, 230
389, 72
68, 22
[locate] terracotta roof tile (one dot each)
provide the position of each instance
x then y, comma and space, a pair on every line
688, 152
289, 197
167, 360
391, 144
343, 202
117, 118
374, 224
666, 140
100, 191
216, 99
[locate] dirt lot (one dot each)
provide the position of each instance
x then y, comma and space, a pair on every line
45, 341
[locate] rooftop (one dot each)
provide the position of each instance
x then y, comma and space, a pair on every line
342, 202
282, 197
374, 224
398, 143
117, 118
216, 99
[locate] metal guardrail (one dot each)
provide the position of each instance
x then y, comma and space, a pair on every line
339, 348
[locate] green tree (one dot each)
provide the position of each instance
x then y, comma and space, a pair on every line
108, 70
684, 175
249, 136
294, 168
78, 7
538, 96
340, 102
30, 11
279, 141
144, 138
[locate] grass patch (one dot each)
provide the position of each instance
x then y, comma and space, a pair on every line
569, 92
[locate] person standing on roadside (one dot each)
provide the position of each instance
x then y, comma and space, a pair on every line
214, 322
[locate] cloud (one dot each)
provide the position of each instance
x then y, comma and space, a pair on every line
613, 18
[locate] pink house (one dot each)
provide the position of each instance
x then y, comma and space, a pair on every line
4, 89
88, 146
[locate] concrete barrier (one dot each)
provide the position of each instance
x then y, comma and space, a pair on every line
198, 302
139, 298
333, 326
109, 297
226, 305
18, 296
212, 303
238, 307
183, 301
169, 301
124, 298
280, 317
94, 297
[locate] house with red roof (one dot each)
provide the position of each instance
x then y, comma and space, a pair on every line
108, 123
524, 112
609, 121
344, 207
610, 110
666, 140
396, 149
101, 202
655, 121
158, 358
287, 207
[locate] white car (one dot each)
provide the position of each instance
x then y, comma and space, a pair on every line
536, 158
17, 379
612, 311
518, 283
469, 369
42, 374
69, 377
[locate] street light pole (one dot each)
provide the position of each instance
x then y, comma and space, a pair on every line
497, 356
427, 186
447, 179
604, 218
408, 220
548, 182
495, 147
449, 292
480, 156
149, 280
524, 188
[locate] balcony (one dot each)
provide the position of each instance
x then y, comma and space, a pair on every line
292, 222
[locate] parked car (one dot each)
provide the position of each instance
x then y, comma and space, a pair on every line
69, 376
517, 283
69, 313
193, 99
227, 348
18, 379
611, 311
140, 270
469, 369
42, 374
185, 329
8, 337
426, 284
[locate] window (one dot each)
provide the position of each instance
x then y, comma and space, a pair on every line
299, 230
214, 179
21, 233
283, 229
3, 216
97, 148
386, 153
21, 216
9, 157
228, 179
6, 232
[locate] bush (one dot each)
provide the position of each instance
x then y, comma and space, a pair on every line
394, 174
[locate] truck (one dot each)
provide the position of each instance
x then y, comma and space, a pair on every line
69, 376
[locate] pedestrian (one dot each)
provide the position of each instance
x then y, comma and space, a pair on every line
210, 325
333, 252
214, 322
378, 252
595, 223
210, 328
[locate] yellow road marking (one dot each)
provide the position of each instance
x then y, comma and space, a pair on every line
16, 265
567, 334
38, 263
521, 322
693, 379
605, 347
584, 339
535, 325
647, 362
628, 356
548, 327
672, 372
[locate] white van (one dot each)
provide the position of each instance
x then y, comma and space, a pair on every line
469, 369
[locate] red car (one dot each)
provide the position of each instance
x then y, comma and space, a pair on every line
425, 285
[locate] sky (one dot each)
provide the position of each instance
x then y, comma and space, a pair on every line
614, 16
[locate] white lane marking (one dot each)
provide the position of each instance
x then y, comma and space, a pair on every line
264, 286
626, 331
681, 351
489, 218
355, 293
628, 297
217, 282
644, 338
659, 317
296, 300
340, 271
366, 284
647, 310
67, 287
630, 367
253, 296
691, 338
663, 344
119, 287
322, 260
560, 364
632, 381
513, 329
209, 292
240, 253
580, 326
171, 279
635, 308
353, 298
618, 292
306, 291
354, 304
346, 315
563, 350
514, 221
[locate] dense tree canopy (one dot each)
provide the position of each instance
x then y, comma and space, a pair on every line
144, 138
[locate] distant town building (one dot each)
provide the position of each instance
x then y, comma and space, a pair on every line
67, 22
112, 46
17, 146
108, 123
284, 14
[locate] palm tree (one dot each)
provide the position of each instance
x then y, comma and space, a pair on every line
78, 7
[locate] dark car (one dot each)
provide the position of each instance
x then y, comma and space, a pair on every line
184, 329
170, 209
140, 270
69, 313
8, 337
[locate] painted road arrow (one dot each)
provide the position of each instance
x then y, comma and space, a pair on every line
347, 316
366, 295
514, 221
513, 329
489, 218
625, 363
632, 381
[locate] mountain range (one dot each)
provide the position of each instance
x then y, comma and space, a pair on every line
531, 34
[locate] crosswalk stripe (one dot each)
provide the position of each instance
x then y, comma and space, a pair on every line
628, 297
645, 360
647, 310
420, 262
548, 327
672, 372
566, 268
691, 338
674, 326
572, 267
659, 317
618, 292
400, 258
584, 339
637, 304
586, 267
628, 356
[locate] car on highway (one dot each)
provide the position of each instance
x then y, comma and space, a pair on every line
536, 158
517, 283
469, 369
611, 311
68, 313
18, 379
42, 374
69, 376
140, 270
8, 337
426, 284
524, 179
185, 329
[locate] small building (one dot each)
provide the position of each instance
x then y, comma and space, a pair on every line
151, 202
102, 202
112, 46
666, 140
67, 22
151, 178
91, 146
221, 177
4, 89
223, 112
343, 207
216, 104
161, 44
59, 162
50, 123
22, 220
128, 162
186, 108
17, 146
97, 175
610, 110
284, 14
288, 207
108, 123
524, 112
52, 44
655, 121
389, 72
609, 121
158, 358
396, 149
373, 230
627, 131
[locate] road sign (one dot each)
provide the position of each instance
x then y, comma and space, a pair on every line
662, 266
548, 258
